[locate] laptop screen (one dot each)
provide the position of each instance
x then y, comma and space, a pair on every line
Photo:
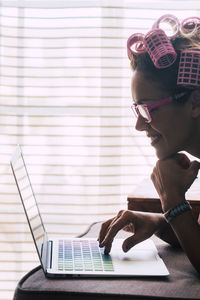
28, 198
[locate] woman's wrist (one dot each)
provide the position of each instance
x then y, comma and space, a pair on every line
160, 221
170, 201
177, 210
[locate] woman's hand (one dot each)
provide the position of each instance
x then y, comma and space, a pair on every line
142, 225
172, 177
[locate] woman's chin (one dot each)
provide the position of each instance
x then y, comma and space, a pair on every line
160, 156
163, 154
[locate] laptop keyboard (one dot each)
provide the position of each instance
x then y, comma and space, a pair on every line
82, 255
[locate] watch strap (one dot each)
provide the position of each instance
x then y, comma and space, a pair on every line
177, 210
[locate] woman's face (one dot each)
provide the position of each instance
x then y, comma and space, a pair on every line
172, 128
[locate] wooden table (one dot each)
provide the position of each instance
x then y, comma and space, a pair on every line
145, 198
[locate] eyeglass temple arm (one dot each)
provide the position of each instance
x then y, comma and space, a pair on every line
160, 103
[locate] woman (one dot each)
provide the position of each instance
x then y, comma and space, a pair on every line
168, 110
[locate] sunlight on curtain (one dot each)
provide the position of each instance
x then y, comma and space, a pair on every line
65, 98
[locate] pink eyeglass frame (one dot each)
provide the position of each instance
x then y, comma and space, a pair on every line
148, 107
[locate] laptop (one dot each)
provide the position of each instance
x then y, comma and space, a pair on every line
76, 257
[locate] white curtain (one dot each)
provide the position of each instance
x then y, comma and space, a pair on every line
65, 98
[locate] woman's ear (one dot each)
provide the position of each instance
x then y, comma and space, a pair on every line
195, 102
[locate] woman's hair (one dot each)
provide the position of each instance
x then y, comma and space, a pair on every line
166, 77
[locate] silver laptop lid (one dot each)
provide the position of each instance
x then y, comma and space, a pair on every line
30, 204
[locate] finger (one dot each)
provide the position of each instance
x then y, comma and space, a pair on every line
194, 168
103, 230
107, 248
129, 228
153, 175
105, 227
195, 165
154, 172
119, 224
182, 160
108, 245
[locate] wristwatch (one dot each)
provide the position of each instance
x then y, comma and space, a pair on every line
177, 210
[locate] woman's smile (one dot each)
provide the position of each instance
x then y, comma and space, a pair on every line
155, 138
171, 129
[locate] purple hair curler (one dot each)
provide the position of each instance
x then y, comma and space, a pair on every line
135, 44
190, 26
189, 68
160, 48
168, 23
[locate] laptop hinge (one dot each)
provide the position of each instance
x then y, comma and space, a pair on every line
49, 254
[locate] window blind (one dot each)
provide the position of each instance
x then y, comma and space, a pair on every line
65, 98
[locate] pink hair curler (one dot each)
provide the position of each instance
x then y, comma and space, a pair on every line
190, 26
160, 48
169, 24
135, 44
189, 68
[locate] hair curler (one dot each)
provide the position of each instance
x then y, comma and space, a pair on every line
160, 48
169, 24
135, 44
190, 26
189, 69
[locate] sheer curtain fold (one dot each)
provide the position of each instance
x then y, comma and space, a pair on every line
65, 97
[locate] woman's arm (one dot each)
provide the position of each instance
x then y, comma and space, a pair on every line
166, 233
171, 182
142, 225
187, 231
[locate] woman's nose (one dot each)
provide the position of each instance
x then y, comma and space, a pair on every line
140, 125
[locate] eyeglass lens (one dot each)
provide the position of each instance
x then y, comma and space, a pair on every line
139, 110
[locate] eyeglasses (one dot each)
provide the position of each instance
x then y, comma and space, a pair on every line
144, 110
